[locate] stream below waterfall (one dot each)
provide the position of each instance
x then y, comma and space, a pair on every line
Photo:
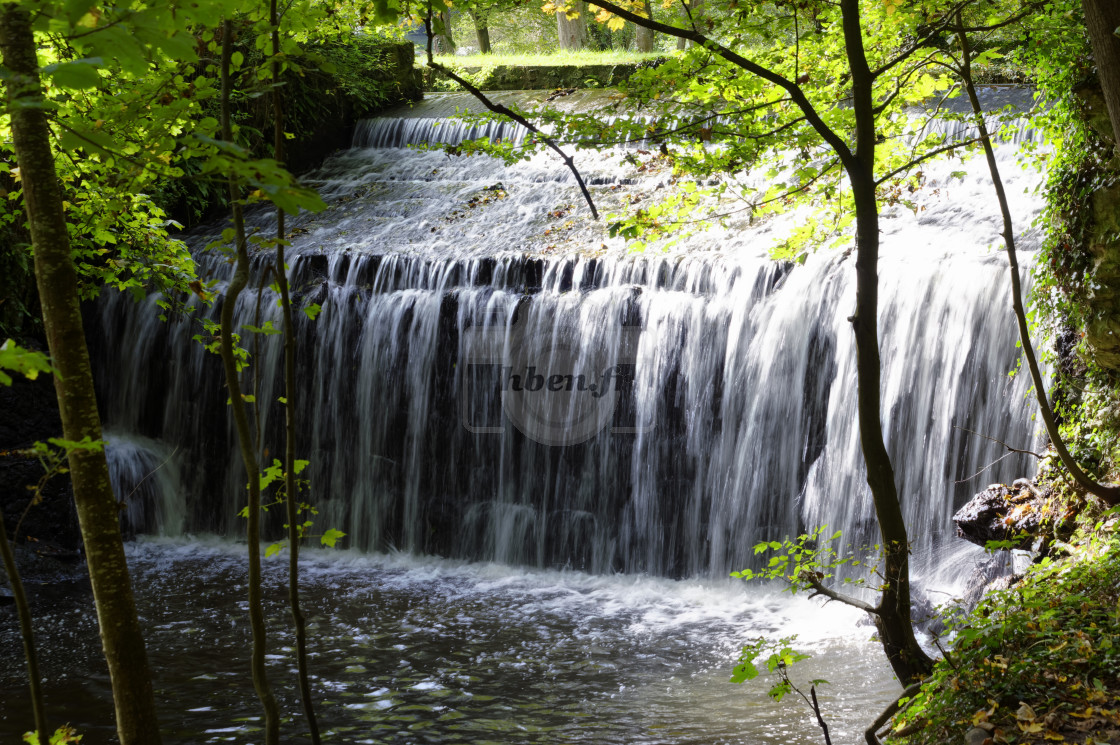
523, 568
413, 650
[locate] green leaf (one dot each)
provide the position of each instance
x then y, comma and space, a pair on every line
86, 443
75, 75
23, 361
76, 9
313, 310
743, 672
330, 538
272, 550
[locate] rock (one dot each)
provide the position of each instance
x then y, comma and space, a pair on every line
977, 736
990, 575
1000, 513
924, 613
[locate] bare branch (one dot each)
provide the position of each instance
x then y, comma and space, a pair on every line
828, 592
985, 468
498, 108
1001, 442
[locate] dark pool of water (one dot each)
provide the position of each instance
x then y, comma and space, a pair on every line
408, 650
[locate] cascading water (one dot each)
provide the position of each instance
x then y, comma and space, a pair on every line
729, 416
447, 410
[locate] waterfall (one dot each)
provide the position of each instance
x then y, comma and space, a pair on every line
488, 380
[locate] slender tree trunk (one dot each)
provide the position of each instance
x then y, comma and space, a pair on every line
892, 614
241, 420
1110, 494
23, 610
572, 32
482, 31
643, 36
906, 656
291, 489
1102, 18
55, 274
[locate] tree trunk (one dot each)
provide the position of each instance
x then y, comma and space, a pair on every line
291, 489
1110, 494
482, 31
444, 41
1102, 18
896, 631
573, 31
27, 632
643, 37
236, 284
692, 11
56, 276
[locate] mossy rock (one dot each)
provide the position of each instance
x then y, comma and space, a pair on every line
1102, 333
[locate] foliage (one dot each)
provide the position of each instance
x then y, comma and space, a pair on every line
1040, 660
778, 656
64, 735
275, 475
27, 362
715, 122
808, 561
1082, 177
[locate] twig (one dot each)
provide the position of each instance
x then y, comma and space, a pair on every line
1001, 442
985, 468
498, 108
820, 719
149, 474
945, 654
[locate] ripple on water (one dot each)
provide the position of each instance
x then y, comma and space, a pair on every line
408, 650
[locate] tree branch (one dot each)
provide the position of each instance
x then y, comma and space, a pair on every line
795, 91
924, 157
1001, 442
890, 711
498, 108
828, 592
1110, 494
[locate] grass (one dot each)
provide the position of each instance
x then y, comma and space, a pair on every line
563, 58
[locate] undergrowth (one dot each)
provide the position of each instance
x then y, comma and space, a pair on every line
1039, 662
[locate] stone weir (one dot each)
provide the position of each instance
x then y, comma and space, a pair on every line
465, 311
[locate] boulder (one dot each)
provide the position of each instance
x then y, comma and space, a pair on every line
1002, 513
